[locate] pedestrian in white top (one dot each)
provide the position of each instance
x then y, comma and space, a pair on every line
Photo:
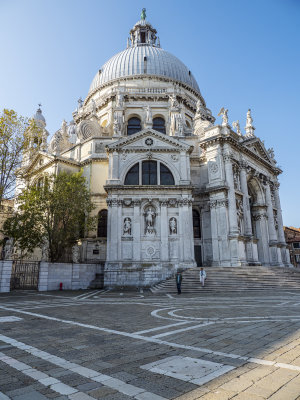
202, 276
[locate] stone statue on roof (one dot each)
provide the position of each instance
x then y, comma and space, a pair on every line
143, 14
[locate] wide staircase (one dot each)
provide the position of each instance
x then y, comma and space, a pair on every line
225, 279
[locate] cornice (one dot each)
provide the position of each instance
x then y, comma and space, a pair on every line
239, 146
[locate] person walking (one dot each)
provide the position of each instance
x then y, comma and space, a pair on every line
178, 282
202, 276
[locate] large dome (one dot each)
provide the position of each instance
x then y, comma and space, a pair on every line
144, 60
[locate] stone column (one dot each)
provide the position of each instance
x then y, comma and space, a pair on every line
136, 230
271, 226
120, 229
233, 225
113, 237
164, 230
115, 165
246, 205
232, 213
262, 235
281, 238
214, 233
186, 232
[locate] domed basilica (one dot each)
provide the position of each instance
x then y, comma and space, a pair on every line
172, 189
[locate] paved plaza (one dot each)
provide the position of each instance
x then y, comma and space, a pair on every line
116, 346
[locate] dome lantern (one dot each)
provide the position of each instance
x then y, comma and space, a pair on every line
143, 33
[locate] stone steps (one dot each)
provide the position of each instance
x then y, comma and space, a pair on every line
234, 280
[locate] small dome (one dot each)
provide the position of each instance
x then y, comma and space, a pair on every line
144, 60
38, 116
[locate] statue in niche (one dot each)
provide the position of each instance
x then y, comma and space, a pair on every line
173, 226
75, 254
127, 227
236, 178
240, 216
150, 219
173, 100
119, 99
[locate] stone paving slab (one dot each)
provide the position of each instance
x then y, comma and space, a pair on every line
95, 348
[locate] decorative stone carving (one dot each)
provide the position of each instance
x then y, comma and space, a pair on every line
213, 167
173, 226
174, 157
148, 119
150, 216
173, 101
99, 148
75, 254
149, 142
236, 124
45, 250
127, 227
224, 113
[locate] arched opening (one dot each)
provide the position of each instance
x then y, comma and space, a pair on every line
133, 126
102, 224
166, 176
159, 124
132, 177
152, 173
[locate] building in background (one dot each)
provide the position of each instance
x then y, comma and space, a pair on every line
172, 188
292, 237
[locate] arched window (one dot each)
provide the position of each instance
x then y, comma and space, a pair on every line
132, 177
159, 124
196, 224
134, 126
166, 176
152, 173
102, 224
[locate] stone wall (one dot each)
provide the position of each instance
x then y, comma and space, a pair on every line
116, 275
72, 276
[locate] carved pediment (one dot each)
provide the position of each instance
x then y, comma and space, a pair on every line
149, 140
256, 146
37, 162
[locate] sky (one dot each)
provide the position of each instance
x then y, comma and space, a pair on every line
243, 54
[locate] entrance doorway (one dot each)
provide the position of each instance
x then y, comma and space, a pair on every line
198, 256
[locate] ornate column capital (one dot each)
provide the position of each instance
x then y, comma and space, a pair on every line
243, 165
136, 202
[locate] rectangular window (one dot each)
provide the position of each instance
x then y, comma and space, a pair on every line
296, 245
149, 173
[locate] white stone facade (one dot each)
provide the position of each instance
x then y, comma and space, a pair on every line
222, 207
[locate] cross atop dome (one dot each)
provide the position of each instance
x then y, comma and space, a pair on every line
143, 33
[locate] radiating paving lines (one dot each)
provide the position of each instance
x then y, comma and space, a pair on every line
157, 340
59, 387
